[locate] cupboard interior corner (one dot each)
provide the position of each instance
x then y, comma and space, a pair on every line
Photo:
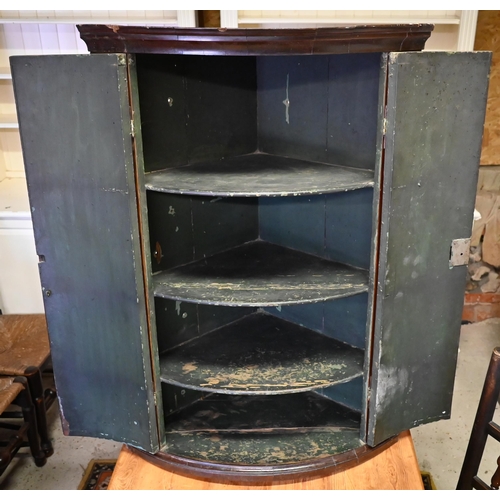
260, 175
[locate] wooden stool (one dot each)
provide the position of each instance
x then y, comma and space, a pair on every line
15, 391
25, 351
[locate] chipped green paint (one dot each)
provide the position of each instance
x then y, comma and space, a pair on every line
435, 112
262, 430
261, 354
260, 274
263, 448
258, 174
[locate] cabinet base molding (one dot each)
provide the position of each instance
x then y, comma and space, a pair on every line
255, 474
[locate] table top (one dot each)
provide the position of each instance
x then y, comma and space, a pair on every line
394, 468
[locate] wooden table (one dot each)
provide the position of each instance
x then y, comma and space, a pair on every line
394, 468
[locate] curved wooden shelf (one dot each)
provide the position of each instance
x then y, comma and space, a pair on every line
260, 274
261, 354
258, 174
262, 431
249, 42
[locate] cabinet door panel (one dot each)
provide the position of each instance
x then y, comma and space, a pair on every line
76, 136
435, 113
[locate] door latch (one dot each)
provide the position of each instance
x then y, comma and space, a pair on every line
459, 252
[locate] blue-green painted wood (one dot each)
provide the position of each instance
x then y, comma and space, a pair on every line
343, 319
435, 113
170, 224
352, 109
260, 274
336, 226
162, 92
76, 136
348, 227
261, 354
222, 223
349, 394
375, 231
138, 150
263, 430
296, 129
176, 322
294, 222
258, 174
189, 228
196, 108
179, 322
308, 315
320, 108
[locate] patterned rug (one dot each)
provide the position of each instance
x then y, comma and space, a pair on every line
427, 480
97, 475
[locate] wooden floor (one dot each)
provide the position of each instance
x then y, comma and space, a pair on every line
395, 468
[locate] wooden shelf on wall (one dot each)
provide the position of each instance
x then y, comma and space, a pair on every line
258, 174
260, 274
261, 354
262, 430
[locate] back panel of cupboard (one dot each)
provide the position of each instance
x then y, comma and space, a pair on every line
196, 108
76, 137
202, 108
331, 113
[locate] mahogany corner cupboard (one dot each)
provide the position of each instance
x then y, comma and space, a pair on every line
252, 243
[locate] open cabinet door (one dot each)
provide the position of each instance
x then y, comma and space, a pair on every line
76, 137
434, 123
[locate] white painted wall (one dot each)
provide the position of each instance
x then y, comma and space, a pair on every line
20, 291
454, 29
39, 32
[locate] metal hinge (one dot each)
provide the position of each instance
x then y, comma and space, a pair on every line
459, 252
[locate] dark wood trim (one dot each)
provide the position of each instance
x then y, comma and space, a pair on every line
253, 473
222, 41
